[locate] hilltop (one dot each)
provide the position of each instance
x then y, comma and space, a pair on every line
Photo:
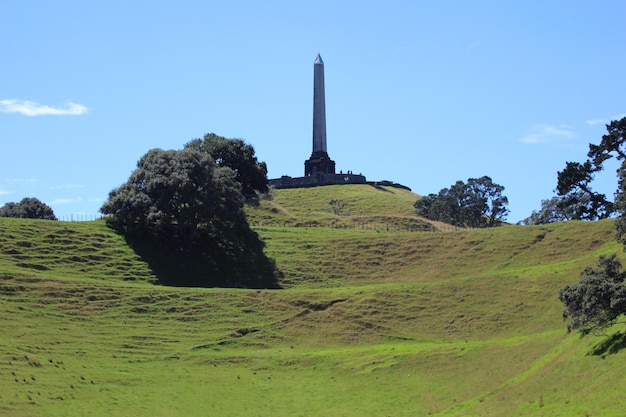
381, 313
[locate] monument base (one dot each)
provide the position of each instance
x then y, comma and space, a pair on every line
319, 163
317, 180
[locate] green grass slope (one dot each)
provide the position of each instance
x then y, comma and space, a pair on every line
367, 207
370, 321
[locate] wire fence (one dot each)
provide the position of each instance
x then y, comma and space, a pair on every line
79, 217
377, 226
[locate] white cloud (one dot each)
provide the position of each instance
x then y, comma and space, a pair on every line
30, 108
471, 47
544, 133
595, 122
4, 192
66, 200
66, 187
23, 181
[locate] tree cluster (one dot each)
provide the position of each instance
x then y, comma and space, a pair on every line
597, 301
184, 212
28, 208
238, 156
560, 209
479, 202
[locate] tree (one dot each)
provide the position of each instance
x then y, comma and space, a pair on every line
237, 155
337, 205
574, 181
28, 208
176, 194
477, 203
573, 186
596, 302
186, 214
559, 209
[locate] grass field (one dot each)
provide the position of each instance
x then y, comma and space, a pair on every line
373, 320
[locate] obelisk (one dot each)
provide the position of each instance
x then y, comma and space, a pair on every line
319, 162
319, 107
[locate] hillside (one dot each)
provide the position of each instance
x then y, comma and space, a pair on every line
365, 207
376, 317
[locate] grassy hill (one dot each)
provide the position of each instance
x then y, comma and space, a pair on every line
381, 314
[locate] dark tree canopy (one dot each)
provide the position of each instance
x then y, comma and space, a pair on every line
186, 214
610, 145
238, 156
28, 208
596, 302
574, 190
560, 208
574, 182
178, 194
477, 203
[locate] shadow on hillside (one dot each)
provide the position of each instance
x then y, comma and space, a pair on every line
242, 264
612, 344
380, 188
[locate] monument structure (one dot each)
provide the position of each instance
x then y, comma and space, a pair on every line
319, 160
319, 169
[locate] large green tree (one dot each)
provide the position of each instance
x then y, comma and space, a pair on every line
28, 208
560, 209
186, 213
477, 203
238, 156
574, 181
599, 299
177, 194
574, 190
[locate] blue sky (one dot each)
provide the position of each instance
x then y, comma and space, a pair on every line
423, 93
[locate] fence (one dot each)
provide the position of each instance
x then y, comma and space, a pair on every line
379, 227
79, 217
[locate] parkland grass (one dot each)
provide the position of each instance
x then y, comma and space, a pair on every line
376, 317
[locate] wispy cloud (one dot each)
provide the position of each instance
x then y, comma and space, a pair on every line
31, 108
595, 122
66, 200
471, 47
23, 181
544, 133
66, 187
4, 192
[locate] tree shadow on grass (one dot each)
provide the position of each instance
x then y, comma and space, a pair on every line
209, 264
611, 345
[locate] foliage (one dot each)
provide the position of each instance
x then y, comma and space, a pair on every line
574, 188
176, 194
237, 155
477, 203
559, 209
599, 298
28, 208
596, 302
180, 206
336, 205
574, 181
